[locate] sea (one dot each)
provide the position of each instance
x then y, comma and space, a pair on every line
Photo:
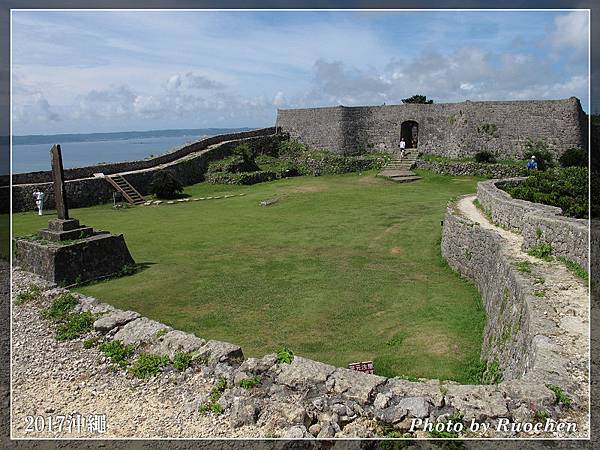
32, 153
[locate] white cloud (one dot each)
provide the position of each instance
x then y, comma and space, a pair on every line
279, 99
36, 108
571, 32
191, 80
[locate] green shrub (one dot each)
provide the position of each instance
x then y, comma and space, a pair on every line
249, 383
291, 148
117, 351
75, 326
482, 372
245, 152
148, 365
165, 185
574, 157
60, 308
232, 164
541, 251
539, 149
485, 157
489, 129
91, 342
422, 99
523, 266
285, 355
566, 188
245, 178
560, 397
182, 360
215, 395
282, 168
575, 268
31, 293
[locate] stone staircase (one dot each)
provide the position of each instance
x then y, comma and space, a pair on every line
399, 169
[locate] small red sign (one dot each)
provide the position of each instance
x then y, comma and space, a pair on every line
365, 366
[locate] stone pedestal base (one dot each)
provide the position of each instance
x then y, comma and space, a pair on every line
97, 256
65, 230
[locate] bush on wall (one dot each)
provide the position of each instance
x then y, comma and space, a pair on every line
251, 165
566, 188
574, 157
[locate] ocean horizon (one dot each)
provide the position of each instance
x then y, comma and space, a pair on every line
31, 153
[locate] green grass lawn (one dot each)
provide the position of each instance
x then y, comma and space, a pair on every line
343, 268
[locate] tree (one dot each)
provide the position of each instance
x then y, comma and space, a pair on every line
165, 185
417, 99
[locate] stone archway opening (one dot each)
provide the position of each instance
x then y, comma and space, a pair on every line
409, 131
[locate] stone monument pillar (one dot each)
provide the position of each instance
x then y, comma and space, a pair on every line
67, 252
63, 228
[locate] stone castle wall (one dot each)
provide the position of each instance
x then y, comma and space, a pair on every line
128, 166
537, 223
90, 191
446, 129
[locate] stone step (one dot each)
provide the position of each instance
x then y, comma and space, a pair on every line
405, 179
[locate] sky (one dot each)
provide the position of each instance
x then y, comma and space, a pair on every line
102, 71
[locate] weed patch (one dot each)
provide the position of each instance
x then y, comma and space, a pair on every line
285, 355
74, 326
575, 268
560, 397
60, 308
32, 293
148, 365
182, 360
523, 266
118, 352
541, 251
249, 383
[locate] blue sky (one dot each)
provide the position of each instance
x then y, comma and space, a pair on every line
94, 71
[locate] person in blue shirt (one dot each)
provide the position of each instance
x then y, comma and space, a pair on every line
532, 164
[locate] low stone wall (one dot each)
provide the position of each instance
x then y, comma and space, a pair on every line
527, 335
537, 223
86, 192
595, 255
461, 168
477, 254
312, 399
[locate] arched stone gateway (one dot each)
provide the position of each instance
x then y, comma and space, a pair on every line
409, 131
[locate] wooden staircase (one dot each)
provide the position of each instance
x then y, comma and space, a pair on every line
127, 190
399, 169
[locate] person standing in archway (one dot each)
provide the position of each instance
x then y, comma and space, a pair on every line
402, 147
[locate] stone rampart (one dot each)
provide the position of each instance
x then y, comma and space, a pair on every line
539, 224
448, 129
189, 169
129, 166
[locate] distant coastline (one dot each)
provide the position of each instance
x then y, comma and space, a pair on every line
32, 139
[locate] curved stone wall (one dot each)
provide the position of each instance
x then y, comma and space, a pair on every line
536, 222
90, 191
129, 166
449, 129
313, 399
